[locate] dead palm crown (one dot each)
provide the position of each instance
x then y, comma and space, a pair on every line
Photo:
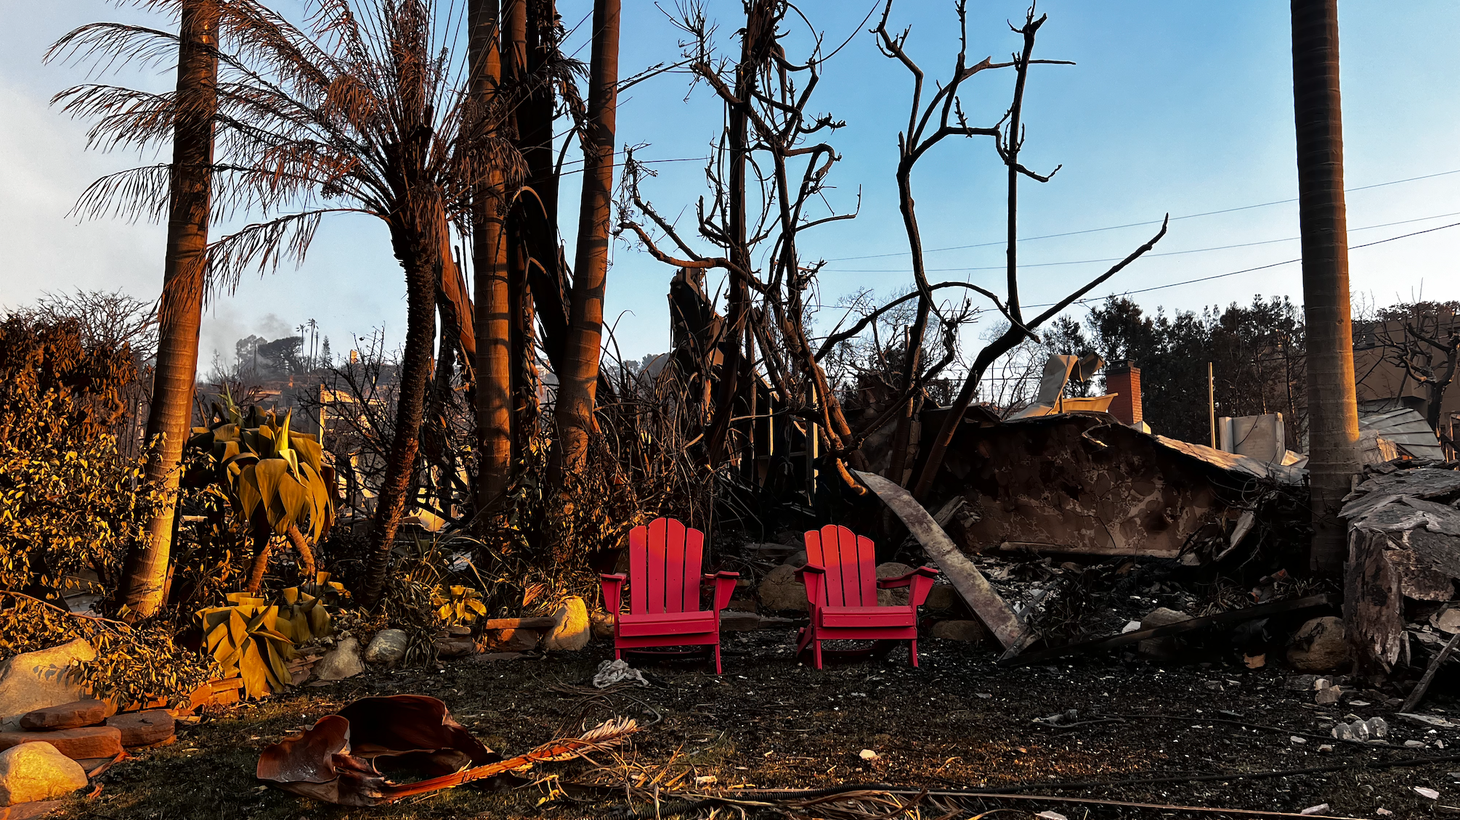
362, 108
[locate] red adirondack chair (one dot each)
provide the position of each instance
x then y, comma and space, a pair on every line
841, 589
664, 591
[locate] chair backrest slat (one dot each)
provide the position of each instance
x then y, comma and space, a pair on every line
850, 562
664, 567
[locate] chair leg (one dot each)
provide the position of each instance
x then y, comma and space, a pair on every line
914, 644
817, 653
618, 654
802, 639
717, 658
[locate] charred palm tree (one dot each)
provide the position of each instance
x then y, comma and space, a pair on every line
362, 109
578, 376
180, 310
1333, 415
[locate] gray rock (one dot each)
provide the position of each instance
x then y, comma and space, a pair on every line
780, 589
734, 620
36, 771
1320, 645
572, 630
892, 597
341, 662
1328, 695
797, 559
970, 631
1160, 647
37, 680
387, 647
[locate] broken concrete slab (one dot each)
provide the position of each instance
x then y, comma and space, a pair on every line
139, 729
77, 744
72, 715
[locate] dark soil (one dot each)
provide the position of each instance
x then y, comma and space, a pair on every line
958, 722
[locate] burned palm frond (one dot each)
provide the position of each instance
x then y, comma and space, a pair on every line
340, 759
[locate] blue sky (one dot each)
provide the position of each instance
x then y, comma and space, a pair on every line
1178, 107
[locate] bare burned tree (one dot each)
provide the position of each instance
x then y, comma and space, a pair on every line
1422, 340
1008, 140
767, 179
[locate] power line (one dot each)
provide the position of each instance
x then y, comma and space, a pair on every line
1148, 222
1250, 270
1146, 256
1088, 300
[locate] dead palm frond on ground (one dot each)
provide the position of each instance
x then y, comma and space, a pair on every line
360, 108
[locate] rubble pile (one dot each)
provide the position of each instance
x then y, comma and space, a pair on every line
1404, 560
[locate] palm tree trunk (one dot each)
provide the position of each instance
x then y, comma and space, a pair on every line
169, 421
489, 263
1332, 408
578, 381
417, 240
491, 277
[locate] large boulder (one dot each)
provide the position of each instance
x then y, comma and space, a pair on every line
37, 680
1320, 645
780, 589
36, 771
68, 715
892, 597
1161, 647
149, 728
387, 647
572, 629
941, 598
341, 662
77, 744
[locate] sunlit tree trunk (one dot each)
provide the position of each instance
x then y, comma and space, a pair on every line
144, 578
578, 378
417, 237
539, 208
1332, 410
491, 276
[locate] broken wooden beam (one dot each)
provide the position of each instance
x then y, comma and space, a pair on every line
975, 590
1424, 683
1233, 616
543, 622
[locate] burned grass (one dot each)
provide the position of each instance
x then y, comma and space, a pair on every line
958, 722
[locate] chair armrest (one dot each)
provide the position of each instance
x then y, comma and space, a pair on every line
813, 576
612, 586
919, 580
724, 587
904, 580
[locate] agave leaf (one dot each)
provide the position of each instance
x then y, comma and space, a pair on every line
254, 671
309, 450
293, 503
270, 474
247, 490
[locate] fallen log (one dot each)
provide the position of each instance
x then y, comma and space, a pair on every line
1234, 616
975, 590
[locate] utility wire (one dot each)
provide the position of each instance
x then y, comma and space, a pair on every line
1250, 270
1145, 256
1148, 222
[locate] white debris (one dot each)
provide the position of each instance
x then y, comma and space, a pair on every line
614, 672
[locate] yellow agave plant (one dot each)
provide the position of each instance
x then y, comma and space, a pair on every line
244, 639
273, 476
458, 605
303, 617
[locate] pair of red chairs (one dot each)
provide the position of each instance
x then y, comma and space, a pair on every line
665, 559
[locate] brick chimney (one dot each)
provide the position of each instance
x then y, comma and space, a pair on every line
1124, 380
